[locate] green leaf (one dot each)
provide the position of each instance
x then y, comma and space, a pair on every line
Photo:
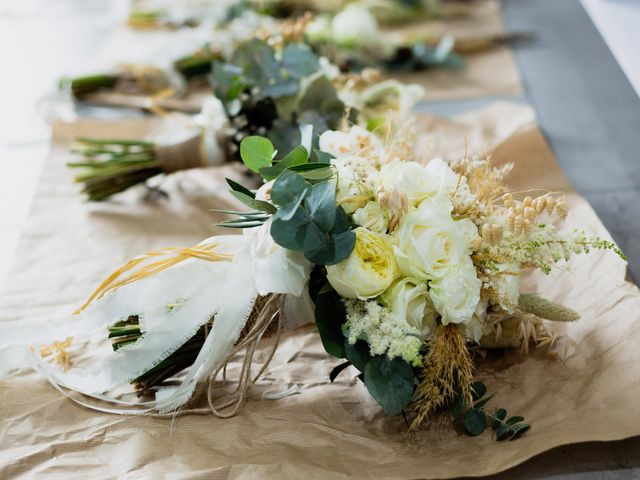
290, 234
517, 430
483, 402
502, 432
514, 419
287, 188
337, 370
390, 383
256, 152
458, 407
299, 60
358, 353
239, 188
478, 389
500, 414
330, 314
334, 250
297, 156
475, 421
253, 203
321, 205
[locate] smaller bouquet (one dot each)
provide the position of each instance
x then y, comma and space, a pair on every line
260, 89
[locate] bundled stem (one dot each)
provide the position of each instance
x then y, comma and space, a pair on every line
112, 166
266, 310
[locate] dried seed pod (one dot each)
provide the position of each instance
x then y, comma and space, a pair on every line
519, 208
497, 232
562, 208
508, 200
551, 204
530, 214
476, 244
527, 227
511, 216
527, 201
518, 224
540, 204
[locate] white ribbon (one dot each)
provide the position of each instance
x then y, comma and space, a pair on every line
196, 289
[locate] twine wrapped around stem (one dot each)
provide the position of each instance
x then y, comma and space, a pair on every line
265, 320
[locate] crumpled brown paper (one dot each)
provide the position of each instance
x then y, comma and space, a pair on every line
328, 430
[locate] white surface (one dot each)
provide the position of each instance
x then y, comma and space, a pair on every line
39, 42
619, 24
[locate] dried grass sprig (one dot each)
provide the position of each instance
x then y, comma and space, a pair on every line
447, 373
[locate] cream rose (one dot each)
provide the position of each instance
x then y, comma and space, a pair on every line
429, 242
356, 142
355, 177
456, 295
409, 300
410, 178
368, 271
371, 217
355, 26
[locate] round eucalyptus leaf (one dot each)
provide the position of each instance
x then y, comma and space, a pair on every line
390, 383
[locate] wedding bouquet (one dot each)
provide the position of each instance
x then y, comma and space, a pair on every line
412, 266
262, 88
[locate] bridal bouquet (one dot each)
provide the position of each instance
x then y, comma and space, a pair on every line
413, 268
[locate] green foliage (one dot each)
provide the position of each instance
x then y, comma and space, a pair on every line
390, 382
475, 418
308, 220
330, 314
256, 153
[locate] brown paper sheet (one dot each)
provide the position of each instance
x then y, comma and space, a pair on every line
485, 74
328, 430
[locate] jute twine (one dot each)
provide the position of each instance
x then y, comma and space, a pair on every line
265, 320
182, 156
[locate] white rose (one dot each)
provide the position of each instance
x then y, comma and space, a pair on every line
456, 295
319, 29
368, 271
508, 286
448, 182
355, 26
409, 300
428, 241
357, 142
371, 217
355, 177
410, 178
475, 328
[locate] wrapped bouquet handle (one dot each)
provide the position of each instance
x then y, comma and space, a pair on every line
169, 293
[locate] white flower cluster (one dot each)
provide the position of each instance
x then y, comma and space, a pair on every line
412, 253
385, 332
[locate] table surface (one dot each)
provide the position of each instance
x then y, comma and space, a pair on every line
587, 109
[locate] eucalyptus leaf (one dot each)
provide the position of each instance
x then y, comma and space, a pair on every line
500, 415
475, 421
288, 188
239, 188
478, 389
299, 60
320, 204
330, 314
256, 152
390, 383
358, 353
296, 157
253, 203
337, 370
290, 234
